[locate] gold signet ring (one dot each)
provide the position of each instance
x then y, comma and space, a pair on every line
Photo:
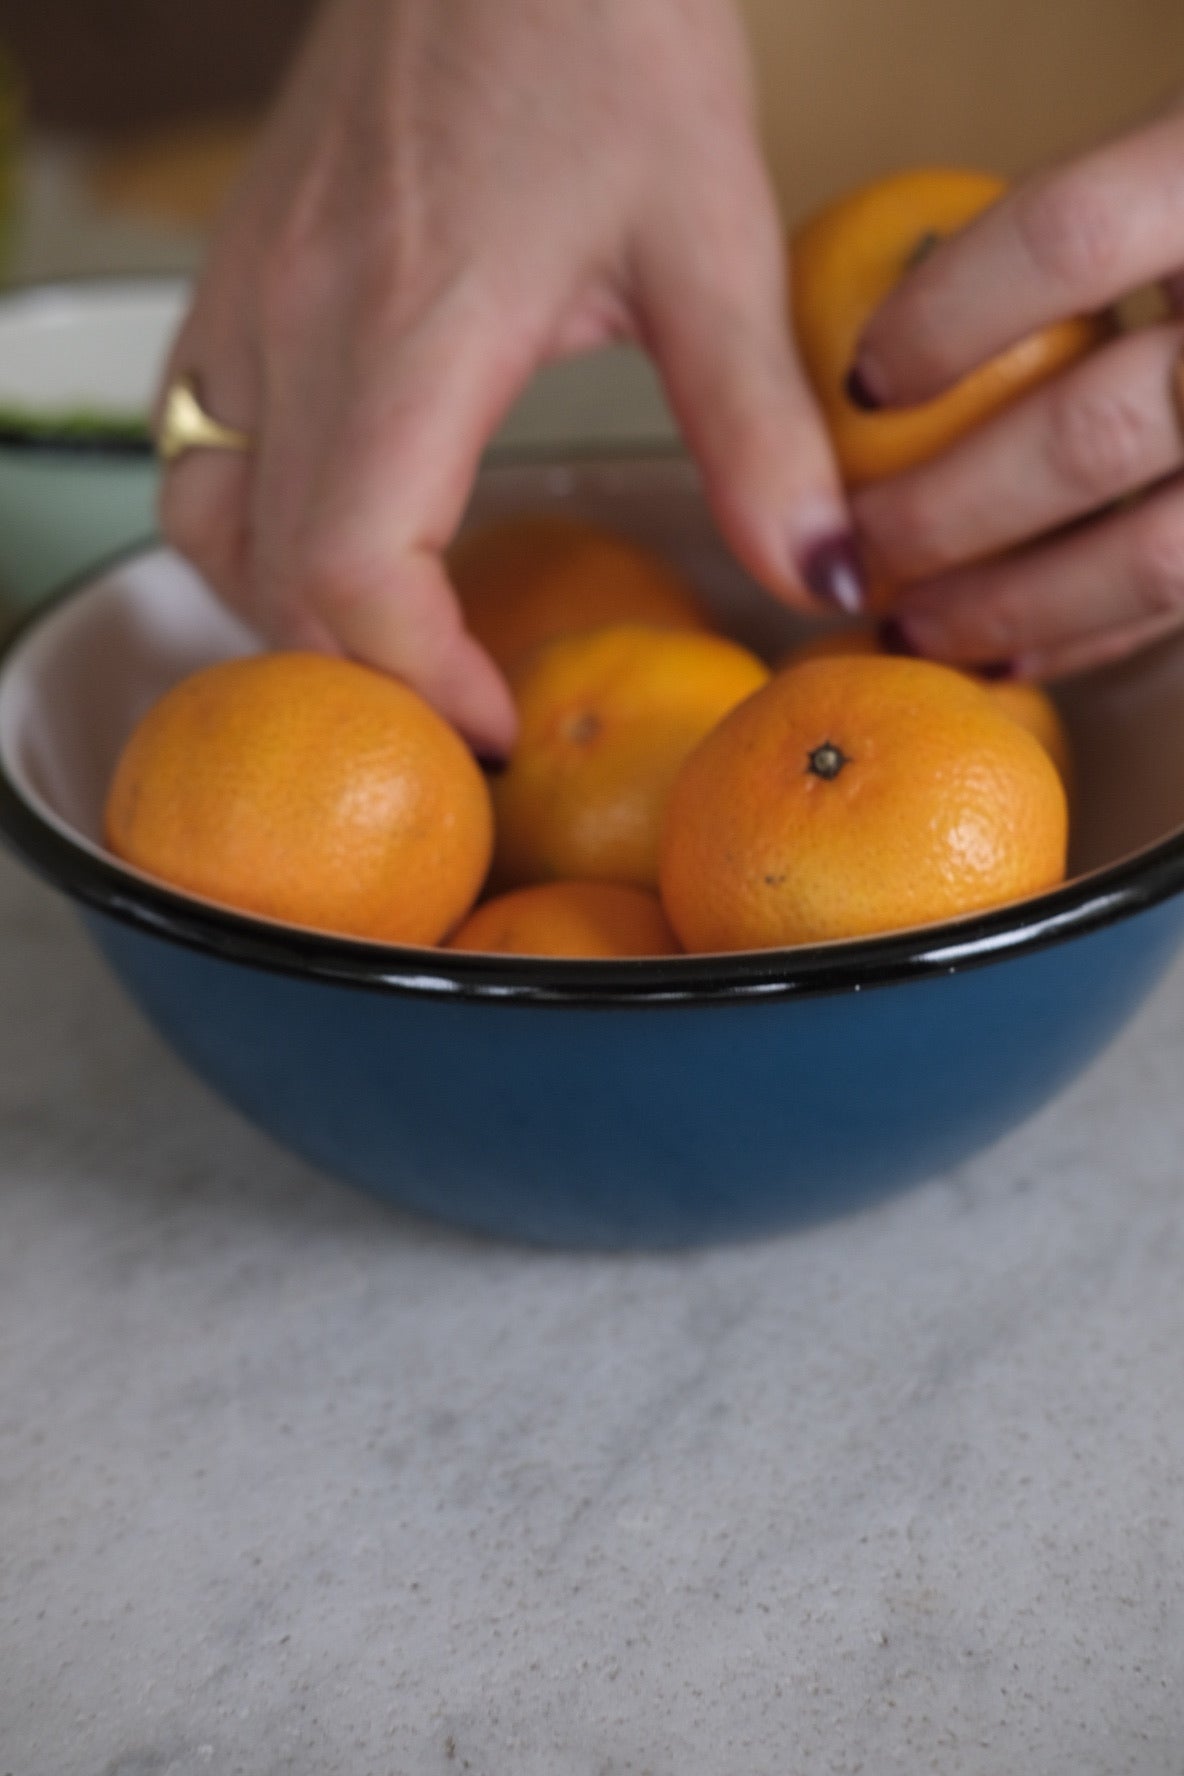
185, 425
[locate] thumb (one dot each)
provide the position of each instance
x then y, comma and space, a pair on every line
715, 308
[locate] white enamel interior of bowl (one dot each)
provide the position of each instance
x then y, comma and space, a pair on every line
92, 346
82, 677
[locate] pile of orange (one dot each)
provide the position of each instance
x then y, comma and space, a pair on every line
667, 791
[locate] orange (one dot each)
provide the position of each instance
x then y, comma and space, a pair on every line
307, 789
846, 261
606, 721
856, 795
1023, 701
530, 579
570, 919
1032, 707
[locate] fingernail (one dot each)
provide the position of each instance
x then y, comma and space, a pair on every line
834, 573
997, 671
894, 638
860, 392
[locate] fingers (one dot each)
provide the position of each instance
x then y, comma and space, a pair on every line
327, 535
713, 309
1064, 605
404, 418
1084, 653
1067, 242
1103, 431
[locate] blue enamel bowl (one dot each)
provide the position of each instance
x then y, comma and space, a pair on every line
576, 1104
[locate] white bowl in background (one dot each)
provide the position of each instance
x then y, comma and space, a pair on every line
93, 350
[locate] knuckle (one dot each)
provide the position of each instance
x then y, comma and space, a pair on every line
907, 526
209, 530
1159, 562
1097, 442
286, 278
1001, 627
337, 581
185, 519
1071, 230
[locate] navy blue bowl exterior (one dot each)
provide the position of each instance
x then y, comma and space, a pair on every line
643, 1124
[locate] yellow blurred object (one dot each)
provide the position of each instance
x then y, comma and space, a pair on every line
11, 119
181, 175
849, 88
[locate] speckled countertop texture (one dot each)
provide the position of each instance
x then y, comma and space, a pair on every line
290, 1484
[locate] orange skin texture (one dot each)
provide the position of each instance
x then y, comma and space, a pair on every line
528, 580
942, 807
846, 260
306, 789
574, 919
607, 721
1026, 703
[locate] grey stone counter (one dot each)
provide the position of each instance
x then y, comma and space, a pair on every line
290, 1484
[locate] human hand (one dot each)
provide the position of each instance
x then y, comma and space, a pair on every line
1052, 538
450, 194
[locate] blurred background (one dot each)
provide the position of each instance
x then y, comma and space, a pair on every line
135, 113
123, 124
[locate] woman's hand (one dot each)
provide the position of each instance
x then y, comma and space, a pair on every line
1052, 538
451, 193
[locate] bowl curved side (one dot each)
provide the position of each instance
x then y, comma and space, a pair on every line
644, 1125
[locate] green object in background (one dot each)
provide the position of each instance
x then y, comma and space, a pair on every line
78, 366
61, 513
127, 433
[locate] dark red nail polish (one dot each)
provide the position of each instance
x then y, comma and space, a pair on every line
895, 639
860, 393
834, 573
997, 671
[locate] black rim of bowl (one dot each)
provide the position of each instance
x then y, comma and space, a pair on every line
113, 435
97, 881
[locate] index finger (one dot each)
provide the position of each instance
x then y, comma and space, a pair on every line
1066, 242
362, 479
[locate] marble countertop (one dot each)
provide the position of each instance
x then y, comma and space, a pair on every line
290, 1484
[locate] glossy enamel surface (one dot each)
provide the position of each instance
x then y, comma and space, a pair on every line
608, 1104
655, 1125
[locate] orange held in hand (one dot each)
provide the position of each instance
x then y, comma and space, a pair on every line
607, 720
307, 789
590, 919
857, 795
531, 579
846, 261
